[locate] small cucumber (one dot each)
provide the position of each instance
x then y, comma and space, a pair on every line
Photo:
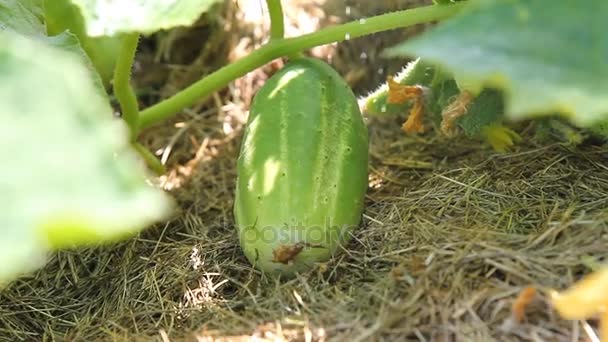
302, 171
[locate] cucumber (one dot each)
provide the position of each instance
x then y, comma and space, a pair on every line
302, 170
375, 103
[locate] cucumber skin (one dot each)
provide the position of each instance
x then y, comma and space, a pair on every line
302, 171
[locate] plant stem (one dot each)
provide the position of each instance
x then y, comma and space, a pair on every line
283, 47
153, 163
277, 26
122, 88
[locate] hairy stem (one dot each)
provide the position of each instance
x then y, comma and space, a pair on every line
277, 26
122, 87
289, 46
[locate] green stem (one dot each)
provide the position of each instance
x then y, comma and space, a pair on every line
122, 88
277, 25
153, 163
278, 48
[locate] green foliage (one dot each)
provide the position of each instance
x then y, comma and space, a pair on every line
27, 18
70, 177
110, 17
600, 128
554, 128
68, 42
415, 72
486, 109
62, 15
547, 56
22, 16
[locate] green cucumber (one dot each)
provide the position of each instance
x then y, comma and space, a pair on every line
302, 170
415, 72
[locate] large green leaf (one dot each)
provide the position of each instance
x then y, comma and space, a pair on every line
62, 15
548, 56
69, 177
25, 17
22, 16
109, 17
70, 43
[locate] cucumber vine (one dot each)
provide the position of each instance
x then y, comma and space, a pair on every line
277, 24
122, 87
278, 47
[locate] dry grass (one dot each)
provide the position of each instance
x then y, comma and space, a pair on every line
451, 233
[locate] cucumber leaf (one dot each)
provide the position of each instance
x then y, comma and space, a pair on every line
22, 16
69, 176
109, 17
546, 56
26, 18
62, 15
69, 42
